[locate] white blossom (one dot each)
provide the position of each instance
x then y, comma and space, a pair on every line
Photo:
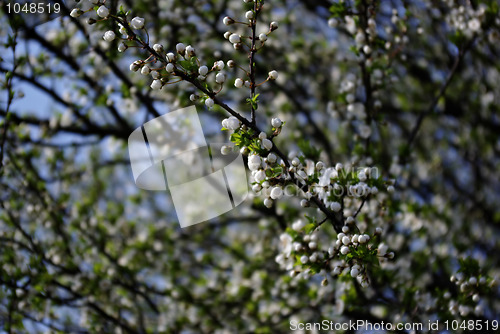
137, 23
103, 11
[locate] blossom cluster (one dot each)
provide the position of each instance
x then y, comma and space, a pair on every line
274, 175
349, 255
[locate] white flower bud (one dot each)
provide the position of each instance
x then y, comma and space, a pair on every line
158, 48
256, 188
238, 83
267, 144
371, 23
235, 38
344, 250
263, 37
220, 78
304, 259
304, 203
77, 12
109, 36
268, 202
190, 52
262, 135
354, 272
103, 11
335, 206
180, 47
273, 26
170, 67
313, 257
122, 29
145, 70
156, 84
137, 23
273, 75
219, 65
122, 47
233, 123
228, 21
276, 122
360, 38
203, 70
254, 162
382, 249
260, 176
209, 102
170, 57
271, 158
333, 23
134, 67
249, 15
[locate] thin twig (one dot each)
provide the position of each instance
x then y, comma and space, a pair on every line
360, 207
253, 50
440, 94
10, 93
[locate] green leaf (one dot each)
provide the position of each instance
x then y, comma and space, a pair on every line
339, 9
309, 228
308, 150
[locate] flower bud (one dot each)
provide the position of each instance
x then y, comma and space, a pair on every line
180, 47
203, 70
273, 75
109, 36
103, 11
228, 21
209, 102
137, 23
77, 12
158, 48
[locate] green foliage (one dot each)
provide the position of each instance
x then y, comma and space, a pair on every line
339, 9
